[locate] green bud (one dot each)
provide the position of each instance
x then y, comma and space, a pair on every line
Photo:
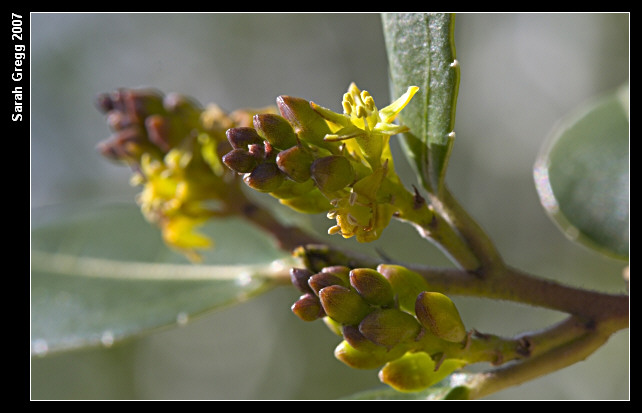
295, 163
332, 173
389, 327
307, 123
240, 160
416, 371
332, 325
343, 305
276, 130
299, 278
323, 279
308, 308
372, 286
243, 137
438, 314
266, 177
340, 271
356, 359
358, 341
291, 189
406, 284
310, 203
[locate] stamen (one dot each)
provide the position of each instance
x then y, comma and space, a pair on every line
353, 198
347, 97
370, 103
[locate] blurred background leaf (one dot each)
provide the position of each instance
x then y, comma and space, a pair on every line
101, 274
519, 74
582, 174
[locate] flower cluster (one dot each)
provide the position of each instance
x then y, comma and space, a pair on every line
174, 146
315, 160
388, 319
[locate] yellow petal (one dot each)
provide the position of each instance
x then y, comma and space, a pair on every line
390, 112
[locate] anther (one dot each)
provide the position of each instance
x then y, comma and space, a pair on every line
352, 220
353, 198
370, 103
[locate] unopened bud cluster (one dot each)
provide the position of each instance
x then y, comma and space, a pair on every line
388, 319
174, 146
315, 160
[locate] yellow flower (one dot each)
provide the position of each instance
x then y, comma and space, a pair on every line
361, 120
170, 200
179, 232
362, 213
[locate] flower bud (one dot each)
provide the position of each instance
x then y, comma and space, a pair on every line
406, 284
183, 106
343, 305
324, 279
299, 278
295, 163
266, 177
140, 103
241, 138
416, 371
308, 124
311, 203
340, 271
276, 130
240, 160
104, 103
356, 359
126, 145
332, 173
359, 342
118, 120
437, 313
332, 325
158, 131
308, 308
389, 327
372, 286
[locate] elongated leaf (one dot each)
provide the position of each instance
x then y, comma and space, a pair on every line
582, 175
103, 274
421, 52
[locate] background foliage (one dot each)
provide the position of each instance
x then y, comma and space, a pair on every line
520, 74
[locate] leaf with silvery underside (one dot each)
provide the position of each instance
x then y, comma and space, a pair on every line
103, 274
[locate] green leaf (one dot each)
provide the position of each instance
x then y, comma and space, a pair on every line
421, 52
582, 175
100, 275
